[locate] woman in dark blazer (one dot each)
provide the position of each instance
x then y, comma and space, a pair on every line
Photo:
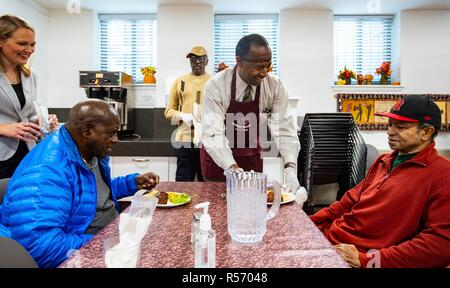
19, 125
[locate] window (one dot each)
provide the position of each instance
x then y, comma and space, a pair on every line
128, 42
228, 29
362, 43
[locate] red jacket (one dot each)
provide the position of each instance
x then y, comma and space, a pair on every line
404, 214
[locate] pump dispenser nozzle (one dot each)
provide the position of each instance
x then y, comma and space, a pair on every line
205, 219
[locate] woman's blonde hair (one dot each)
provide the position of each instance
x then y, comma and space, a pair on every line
9, 24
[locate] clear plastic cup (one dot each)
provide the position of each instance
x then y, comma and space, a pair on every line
125, 254
143, 206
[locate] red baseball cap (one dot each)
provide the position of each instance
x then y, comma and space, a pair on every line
415, 108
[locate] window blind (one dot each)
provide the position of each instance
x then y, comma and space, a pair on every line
127, 43
228, 29
362, 43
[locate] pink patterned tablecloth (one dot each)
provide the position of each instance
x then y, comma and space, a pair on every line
291, 241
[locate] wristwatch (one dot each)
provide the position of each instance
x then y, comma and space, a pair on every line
290, 164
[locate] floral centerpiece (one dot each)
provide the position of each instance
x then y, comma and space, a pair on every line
346, 75
385, 71
149, 74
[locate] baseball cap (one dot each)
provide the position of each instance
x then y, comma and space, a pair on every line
197, 51
415, 108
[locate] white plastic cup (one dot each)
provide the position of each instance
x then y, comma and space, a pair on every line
121, 255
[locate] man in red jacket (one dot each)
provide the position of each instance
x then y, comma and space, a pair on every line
399, 215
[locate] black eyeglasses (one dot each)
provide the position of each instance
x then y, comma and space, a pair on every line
194, 58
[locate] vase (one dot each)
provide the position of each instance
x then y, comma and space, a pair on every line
149, 78
384, 80
348, 81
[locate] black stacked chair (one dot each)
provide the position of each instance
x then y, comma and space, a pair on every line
332, 151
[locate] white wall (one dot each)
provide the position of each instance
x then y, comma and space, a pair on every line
72, 47
180, 27
306, 58
425, 51
68, 43
37, 16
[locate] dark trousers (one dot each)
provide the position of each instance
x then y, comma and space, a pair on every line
188, 163
8, 167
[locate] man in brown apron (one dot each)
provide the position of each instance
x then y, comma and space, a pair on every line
248, 157
234, 99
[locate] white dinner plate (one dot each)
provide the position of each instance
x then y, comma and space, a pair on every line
289, 197
170, 204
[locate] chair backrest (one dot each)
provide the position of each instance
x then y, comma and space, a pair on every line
13, 255
372, 155
3, 186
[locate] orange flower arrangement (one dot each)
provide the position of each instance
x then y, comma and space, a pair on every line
385, 71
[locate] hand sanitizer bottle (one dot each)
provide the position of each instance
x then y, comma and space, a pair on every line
205, 241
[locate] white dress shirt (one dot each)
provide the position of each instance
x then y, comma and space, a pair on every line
272, 106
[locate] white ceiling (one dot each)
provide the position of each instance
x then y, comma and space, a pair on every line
255, 6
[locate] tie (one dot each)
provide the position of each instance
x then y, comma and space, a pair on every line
247, 94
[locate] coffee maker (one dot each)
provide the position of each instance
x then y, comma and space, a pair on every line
115, 88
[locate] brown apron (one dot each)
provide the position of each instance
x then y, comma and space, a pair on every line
248, 157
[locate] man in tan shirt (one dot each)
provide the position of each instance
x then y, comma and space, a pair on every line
185, 94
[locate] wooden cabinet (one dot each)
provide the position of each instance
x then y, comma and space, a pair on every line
166, 167
126, 165
172, 168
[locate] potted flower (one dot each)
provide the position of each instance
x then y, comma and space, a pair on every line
368, 79
360, 79
149, 74
347, 75
385, 71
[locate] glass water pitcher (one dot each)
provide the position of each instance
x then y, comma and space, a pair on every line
247, 212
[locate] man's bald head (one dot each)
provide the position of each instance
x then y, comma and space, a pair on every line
91, 112
93, 125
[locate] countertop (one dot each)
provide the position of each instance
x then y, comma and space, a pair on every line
162, 147
158, 147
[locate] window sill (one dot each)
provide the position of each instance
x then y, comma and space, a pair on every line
143, 85
368, 88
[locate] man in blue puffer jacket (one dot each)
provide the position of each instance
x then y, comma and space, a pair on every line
4, 232
62, 193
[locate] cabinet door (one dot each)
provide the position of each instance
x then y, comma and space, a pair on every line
172, 168
126, 165
273, 168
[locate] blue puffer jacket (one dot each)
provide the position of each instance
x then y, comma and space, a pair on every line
4, 232
51, 199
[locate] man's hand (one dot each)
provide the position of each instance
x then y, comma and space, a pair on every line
147, 181
291, 180
349, 253
236, 168
187, 118
197, 133
22, 131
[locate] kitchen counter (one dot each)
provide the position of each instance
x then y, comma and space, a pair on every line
162, 147
144, 147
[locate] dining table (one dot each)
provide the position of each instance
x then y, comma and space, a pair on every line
291, 240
